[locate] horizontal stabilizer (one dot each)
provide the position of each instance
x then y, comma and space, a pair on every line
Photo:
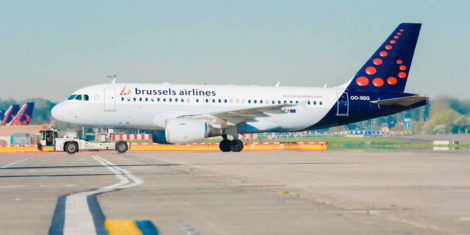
402, 101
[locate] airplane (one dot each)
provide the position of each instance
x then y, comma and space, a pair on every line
24, 115
10, 113
190, 113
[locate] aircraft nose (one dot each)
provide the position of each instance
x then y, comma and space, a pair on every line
61, 112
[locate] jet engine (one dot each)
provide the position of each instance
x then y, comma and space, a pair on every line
180, 130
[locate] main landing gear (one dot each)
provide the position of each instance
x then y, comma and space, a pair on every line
227, 145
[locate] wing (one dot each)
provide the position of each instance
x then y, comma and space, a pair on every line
402, 101
233, 117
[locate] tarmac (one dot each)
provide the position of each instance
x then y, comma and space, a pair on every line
331, 192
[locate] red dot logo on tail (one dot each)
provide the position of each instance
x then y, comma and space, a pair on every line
392, 81
371, 70
377, 61
362, 81
402, 75
378, 82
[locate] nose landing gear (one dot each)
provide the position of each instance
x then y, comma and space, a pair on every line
227, 145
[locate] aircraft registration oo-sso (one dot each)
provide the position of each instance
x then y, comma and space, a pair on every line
189, 113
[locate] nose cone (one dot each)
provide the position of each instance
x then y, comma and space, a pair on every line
62, 112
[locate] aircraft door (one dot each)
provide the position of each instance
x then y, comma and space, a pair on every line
342, 108
109, 99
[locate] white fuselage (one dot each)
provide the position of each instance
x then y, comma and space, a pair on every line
148, 106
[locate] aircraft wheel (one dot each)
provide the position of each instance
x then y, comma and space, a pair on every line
236, 145
225, 145
122, 146
71, 147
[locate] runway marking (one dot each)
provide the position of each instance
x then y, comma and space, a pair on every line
12, 186
115, 227
13, 163
82, 213
130, 227
187, 228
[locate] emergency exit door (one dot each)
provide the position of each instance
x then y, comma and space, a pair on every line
109, 99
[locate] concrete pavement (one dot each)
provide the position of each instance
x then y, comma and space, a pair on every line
233, 193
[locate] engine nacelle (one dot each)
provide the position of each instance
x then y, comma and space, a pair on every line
179, 130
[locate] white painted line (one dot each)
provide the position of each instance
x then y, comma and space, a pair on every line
13, 163
78, 218
12, 186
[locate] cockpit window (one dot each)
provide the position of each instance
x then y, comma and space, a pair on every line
86, 98
78, 97
71, 97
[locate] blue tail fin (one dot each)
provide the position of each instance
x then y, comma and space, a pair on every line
24, 115
10, 113
388, 68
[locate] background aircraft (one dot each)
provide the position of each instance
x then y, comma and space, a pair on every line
10, 113
23, 117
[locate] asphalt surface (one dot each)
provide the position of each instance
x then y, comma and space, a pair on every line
238, 193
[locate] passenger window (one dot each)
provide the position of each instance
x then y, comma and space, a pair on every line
296, 101
122, 98
78, 97
321, 103
213, 100
71, 97
176, 99
152, 99
146, 99
249, 101
164, 99
254, 101
225, 100
170, 100
197, 100
220, 101
182, 100
158, 99
314, 103
86, 97
135, 99
261, 101
308, 102
207, 100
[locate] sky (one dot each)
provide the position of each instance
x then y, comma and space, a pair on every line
49, 48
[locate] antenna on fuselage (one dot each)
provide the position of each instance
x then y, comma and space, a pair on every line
113, 76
